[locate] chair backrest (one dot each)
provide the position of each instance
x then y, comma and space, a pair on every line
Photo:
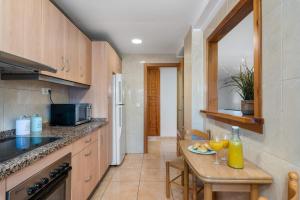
293, 186
205, 136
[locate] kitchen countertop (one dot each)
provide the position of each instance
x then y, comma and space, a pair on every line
68, 135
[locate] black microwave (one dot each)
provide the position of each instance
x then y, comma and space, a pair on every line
70, 114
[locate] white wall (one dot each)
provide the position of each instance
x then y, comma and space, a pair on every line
193, 80
168, 101
133, 70
277, 149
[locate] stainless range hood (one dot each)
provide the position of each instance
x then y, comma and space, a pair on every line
13, 67
14, 64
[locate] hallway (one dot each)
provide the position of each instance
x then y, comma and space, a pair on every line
141, 176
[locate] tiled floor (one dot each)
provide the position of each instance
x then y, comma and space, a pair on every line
141, 176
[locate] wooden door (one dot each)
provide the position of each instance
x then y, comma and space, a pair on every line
153, 99
53, 39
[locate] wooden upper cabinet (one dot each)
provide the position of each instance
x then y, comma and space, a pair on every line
85, 59
12, 23
21, 28
71, 34
114, 60
39, 31
53, 39
33, 30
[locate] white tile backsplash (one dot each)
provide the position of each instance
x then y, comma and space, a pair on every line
25, 98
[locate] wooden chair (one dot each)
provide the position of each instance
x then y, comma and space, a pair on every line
178, 164
293, 187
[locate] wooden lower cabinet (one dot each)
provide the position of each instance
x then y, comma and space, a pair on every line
90, 160
103, 151
85, 173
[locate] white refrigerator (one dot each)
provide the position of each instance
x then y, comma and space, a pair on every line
118, 123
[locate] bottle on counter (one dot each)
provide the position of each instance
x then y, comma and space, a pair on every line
36, 123
235, 150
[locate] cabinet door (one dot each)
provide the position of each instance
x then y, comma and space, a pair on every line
11, 26
92, 165
20, 28
109, 145
85, 59
32, 30
77, 182
53, 39
71, 51
103, 151
85, 174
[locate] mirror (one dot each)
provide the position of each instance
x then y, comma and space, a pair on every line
235, 55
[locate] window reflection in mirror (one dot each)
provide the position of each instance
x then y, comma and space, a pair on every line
235, 53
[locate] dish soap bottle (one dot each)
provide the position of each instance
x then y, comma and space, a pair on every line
235, 150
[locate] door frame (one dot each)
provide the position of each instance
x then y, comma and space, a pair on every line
152, 65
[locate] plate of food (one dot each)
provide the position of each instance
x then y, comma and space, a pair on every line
201, 148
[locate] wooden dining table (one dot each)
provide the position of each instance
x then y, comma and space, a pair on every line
221, 178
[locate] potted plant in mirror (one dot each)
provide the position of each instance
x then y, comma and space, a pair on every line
244, 85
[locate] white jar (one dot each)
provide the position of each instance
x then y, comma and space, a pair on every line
23, 126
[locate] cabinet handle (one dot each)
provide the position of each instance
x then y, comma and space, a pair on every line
63, 64
101, 139
68, 65
88, 141
88, 179
88, 154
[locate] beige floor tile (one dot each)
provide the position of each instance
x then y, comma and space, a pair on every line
154, 164
153, 175
134, 156
150, 156
121, 190
127, 175
132, 164
154, 147
152, 191
100, 190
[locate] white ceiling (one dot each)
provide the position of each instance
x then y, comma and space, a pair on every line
161, 24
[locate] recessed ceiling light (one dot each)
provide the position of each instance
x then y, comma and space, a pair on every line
136, 41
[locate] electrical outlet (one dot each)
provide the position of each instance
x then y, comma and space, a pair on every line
45, 91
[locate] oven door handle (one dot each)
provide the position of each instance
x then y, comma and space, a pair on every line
52, 186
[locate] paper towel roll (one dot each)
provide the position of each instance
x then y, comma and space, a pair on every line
23, 126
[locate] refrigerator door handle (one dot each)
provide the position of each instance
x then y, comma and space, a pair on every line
120, 116
120, 91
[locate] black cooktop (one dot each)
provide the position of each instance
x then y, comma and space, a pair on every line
15, 146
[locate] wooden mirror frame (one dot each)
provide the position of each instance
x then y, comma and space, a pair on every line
242, 9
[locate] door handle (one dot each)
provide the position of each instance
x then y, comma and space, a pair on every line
88, 179
88, 154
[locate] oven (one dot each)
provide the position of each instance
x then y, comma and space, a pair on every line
51, 183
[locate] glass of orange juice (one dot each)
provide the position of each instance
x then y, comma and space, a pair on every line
217, 145
225, 140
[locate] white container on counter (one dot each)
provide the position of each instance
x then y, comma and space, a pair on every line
23, 126
36, 124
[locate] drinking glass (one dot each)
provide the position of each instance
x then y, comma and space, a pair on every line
217, 145
225, 140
